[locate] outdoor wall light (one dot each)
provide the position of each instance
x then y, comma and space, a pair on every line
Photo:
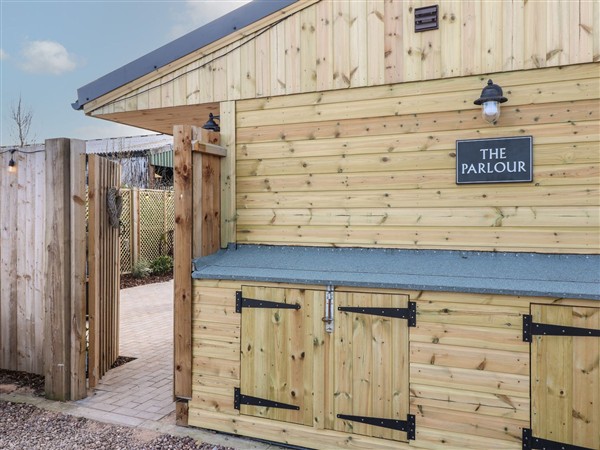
12, 165
211, 124
491, 97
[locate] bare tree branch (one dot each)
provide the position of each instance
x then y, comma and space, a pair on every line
22, 116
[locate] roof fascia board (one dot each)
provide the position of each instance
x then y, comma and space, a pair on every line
208, 34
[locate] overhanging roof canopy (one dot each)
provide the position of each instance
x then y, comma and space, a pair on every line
211, 32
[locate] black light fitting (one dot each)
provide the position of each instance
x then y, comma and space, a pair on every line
491, 97
211, 124
12, 165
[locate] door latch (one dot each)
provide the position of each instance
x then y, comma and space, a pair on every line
328, 318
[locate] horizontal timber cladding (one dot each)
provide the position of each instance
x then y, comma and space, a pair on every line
468, 367
323, 45
375, 167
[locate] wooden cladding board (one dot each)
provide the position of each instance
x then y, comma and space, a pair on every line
22, 249
468, 368
315, 46
375, 167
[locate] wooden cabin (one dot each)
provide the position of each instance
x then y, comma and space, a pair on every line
369, 270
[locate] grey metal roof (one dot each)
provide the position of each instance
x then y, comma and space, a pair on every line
525, 274
200, 37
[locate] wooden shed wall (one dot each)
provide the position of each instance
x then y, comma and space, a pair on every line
317, 46
376, 166
469, 371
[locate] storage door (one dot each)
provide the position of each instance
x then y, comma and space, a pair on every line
371, 365
565, 378
277, 352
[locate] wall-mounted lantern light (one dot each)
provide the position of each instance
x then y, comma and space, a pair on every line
211, 124
491, 97
12, 165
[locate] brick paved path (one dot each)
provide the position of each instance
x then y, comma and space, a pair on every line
142, 389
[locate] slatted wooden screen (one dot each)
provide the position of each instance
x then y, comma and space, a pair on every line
22, 200
103, 263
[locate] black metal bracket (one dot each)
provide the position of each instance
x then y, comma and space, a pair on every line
409, 313
243, 302
535, 443
241, 399
531, 328
408, 425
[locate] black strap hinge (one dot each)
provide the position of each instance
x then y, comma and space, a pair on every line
535, 443
409, 313
241, 399
408, 425
243, 302
531, 328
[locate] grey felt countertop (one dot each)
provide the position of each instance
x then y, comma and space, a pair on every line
526, 274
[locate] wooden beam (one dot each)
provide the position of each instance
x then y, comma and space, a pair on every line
182, 136
209, 149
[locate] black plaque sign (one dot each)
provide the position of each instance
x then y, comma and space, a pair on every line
497, 160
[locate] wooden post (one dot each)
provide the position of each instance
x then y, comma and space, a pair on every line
182, 159
64, 271
228, 208
78, 259
135, 226
197, 233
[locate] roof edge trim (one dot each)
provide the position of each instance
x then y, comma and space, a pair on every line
180, 47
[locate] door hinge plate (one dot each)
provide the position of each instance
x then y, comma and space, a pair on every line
241, 399
534, 443
243, 302
408, 425
531, 328
409, 313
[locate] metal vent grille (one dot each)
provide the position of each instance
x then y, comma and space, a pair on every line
426, 18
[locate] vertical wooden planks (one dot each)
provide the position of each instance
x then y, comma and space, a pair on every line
450, 15
375, 39
359, 51
535, 34
308, 50
248, 69
104, 269
341, 56
293, 70
324, 45
263, 64
565, 389
470, 49
393, 41
182, 136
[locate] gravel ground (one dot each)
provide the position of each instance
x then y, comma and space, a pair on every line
25, 427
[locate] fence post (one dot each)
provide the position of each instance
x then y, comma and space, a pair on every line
64, 268
135, 226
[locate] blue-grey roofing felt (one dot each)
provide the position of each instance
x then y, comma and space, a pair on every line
211, 32
526, 274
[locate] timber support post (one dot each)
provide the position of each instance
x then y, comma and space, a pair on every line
197, 174
64, 341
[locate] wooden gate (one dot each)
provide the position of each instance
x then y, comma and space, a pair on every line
104, 271
565, 350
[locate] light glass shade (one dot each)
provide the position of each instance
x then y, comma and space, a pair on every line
12, 167
490, 111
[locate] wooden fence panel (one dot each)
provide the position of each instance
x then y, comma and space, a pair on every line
103, 262
22, 200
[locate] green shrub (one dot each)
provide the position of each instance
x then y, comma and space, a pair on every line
141, 269
162, 265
